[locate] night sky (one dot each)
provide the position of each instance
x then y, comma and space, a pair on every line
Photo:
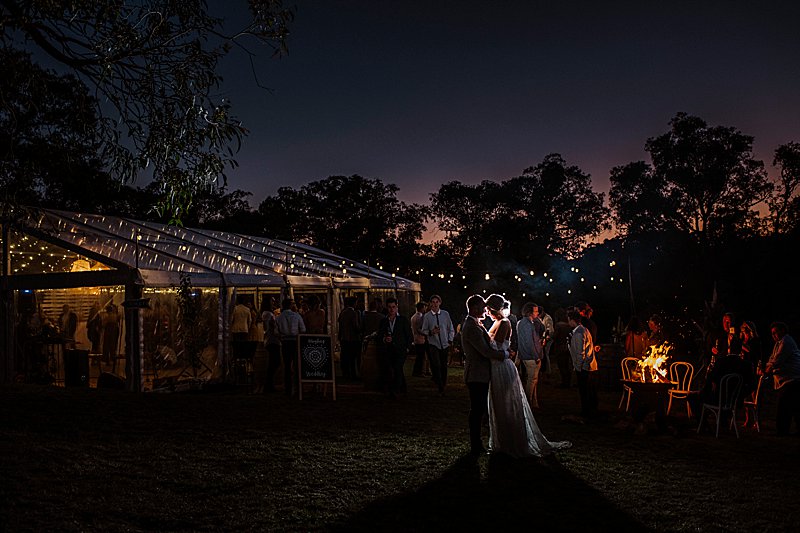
418, 93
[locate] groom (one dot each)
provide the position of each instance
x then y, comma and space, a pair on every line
477, 368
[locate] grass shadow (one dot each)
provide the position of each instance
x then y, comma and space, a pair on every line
495, 493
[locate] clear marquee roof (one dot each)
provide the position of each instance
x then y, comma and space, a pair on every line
213, 258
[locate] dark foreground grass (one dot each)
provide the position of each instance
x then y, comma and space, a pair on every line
77, 460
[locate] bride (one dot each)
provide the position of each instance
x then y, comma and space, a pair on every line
512, 428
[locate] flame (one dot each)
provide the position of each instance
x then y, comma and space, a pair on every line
653, 367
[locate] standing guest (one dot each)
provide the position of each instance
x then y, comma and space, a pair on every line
530, 349
272, 342
110, 334
655, 337
512, 320
290, 326
68, 325
635, 338
420, 340
581, 347
478, 353
315, 318
438, 329
456, 350
784, 367
254, 333
586, 313
372, 319
395, 339
240, 322
94, 327
561, 353
549, 330
350, 338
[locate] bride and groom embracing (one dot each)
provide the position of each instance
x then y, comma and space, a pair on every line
495, 388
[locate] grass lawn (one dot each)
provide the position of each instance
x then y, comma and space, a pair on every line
77, 460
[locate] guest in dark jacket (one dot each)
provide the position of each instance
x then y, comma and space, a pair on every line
394, 341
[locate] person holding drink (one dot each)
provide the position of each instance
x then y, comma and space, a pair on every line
438, 328
394, 341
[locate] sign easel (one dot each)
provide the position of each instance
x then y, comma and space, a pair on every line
315, 362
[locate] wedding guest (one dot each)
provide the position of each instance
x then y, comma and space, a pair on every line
290, 325
68, 326
586, 313
94, 327
635, 338
240, 322
549, 330
784, 367
372, 319
272, 342
723, 340
350, 338
315, 317
530, 350
254, 333
394, 341
561, 353
655, 335
750, 344
439, 331
584, 360
111, 325
420, 340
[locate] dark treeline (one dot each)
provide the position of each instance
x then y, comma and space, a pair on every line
699, 229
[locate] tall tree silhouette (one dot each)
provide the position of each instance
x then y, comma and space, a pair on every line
153, 65
351, 216
550, 209
710, 178
785, 204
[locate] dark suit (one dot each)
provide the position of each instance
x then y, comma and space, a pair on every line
392, 356
477, 373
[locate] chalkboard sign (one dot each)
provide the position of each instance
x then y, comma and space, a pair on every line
315, 361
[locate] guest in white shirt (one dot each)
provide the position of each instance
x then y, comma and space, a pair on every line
290, 325
438, 329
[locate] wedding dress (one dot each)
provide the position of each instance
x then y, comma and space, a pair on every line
512, 428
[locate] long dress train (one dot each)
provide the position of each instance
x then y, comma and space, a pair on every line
512, 428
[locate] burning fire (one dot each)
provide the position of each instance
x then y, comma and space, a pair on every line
653, 368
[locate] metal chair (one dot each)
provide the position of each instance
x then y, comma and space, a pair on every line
682, 374
628, 364
751, 406
729, 387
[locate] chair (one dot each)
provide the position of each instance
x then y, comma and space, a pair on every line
751, 406
628, 364
682, 374
729, 387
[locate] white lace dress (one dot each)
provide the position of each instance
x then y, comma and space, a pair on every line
512, 428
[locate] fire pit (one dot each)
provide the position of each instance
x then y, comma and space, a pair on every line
647, 387
649, 383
